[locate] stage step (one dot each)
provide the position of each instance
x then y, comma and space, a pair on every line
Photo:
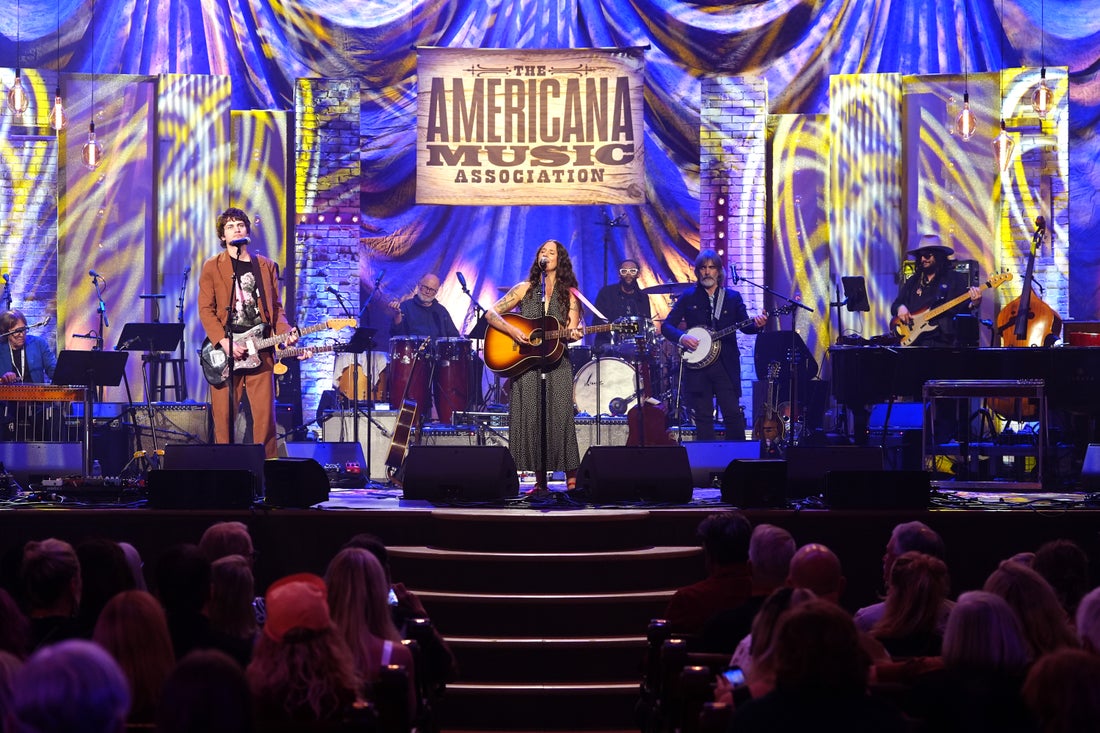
546, 572
539, 707
549, 660
580, 530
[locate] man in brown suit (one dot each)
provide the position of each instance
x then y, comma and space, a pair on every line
257, 302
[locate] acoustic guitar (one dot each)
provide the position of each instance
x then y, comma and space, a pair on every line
922, 319
215, 362
506, 356
406, 418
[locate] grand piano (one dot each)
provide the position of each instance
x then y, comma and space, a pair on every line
865, 375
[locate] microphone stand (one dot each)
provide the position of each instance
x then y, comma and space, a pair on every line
365, 310
608, 224
103, 323
231, 414
540, 476
475, 374
792, 353
183, 351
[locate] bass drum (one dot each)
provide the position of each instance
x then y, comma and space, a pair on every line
615, 379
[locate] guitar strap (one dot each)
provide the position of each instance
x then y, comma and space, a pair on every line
716, 306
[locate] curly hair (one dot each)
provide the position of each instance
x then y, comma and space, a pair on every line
235, 214
566, 278
309, 675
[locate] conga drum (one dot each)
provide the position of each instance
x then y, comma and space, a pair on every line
409, 372
452, 384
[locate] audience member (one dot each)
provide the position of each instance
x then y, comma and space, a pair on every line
1064, 565
132, 628
50, 574
205, 693
1062, 690
817, 568
753, 653
906, 537
725, 538
183, 587
226, 538
1043, 621
357, 600
9, 670
73, 686
230, 606
909, 627
985, 658
437, 659
821, 673
134, 562
301, 668
770, 552
15, 629
103, 573
1088, 621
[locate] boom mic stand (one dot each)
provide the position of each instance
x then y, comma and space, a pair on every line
103, 324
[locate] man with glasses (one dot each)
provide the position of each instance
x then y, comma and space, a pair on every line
935, 281
423, 315
622, 300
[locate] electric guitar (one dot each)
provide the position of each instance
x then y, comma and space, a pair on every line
922, 319
710, 341
215, 362
504, 355
294, 351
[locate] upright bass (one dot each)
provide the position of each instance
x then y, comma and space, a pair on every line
1026, 321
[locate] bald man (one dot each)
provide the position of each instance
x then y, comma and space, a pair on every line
817, 568
423, 315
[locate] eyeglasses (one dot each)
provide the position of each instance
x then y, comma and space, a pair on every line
628, 271
428, 291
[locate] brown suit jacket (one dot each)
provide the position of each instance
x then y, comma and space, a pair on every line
215, 282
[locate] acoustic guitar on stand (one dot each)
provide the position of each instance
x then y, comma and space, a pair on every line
504, 355
215, 362
406, 418
922, 319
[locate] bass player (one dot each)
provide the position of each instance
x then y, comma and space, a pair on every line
243, 285
715, 307
935, 281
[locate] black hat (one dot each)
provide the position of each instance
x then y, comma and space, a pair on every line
931, 242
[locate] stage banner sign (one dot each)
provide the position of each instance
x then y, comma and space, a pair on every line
530, 127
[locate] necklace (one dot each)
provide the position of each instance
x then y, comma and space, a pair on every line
925, 281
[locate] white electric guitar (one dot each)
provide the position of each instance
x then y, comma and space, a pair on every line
710, 341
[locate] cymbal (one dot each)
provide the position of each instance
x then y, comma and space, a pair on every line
668, 289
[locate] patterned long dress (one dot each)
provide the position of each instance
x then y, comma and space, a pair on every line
524, 408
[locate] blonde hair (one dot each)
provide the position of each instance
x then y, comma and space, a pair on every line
357, 599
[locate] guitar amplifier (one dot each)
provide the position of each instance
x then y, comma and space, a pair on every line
339, 426
176, 423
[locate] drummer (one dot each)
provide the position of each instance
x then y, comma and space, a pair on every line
619, 300
421, 315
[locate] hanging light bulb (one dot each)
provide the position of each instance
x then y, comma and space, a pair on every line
1002, 148
1042, 99
18, 100
965, 124
58, 119
91, 154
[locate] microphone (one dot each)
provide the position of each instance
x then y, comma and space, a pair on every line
734, 277
543, 262
378, 280
5, 276
93, 274
1040, 227
241, 242
332, 290
43, 322
461, 280
187, 271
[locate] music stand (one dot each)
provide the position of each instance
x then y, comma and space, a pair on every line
162, 337
362, 341
89, 369
784, 347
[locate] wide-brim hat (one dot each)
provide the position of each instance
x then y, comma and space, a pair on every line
931, 242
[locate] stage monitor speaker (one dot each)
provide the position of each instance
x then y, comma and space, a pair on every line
296, 483
709, 460
30, 462
808, 464
755, 483
877, 489
459, 473
195, 488
247, 456
1090, 470
659, 474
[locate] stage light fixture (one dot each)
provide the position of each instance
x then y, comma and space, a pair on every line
91, 154
965, 124
58, 119
18, 101
1003, 143
1042, 99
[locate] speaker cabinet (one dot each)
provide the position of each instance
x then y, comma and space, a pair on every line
708, 460
30, 462
176, 423
294, 483
237, 456
339, 426
207, 488
1090, 469
807, 465
452, 473
755, 484
877, 489
627, 473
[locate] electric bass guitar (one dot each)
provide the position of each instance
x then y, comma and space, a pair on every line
710, 341
922, 320
504, 355
215, 362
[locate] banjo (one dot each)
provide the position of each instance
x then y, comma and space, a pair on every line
710, 341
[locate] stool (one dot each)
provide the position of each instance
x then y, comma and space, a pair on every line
159, 362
